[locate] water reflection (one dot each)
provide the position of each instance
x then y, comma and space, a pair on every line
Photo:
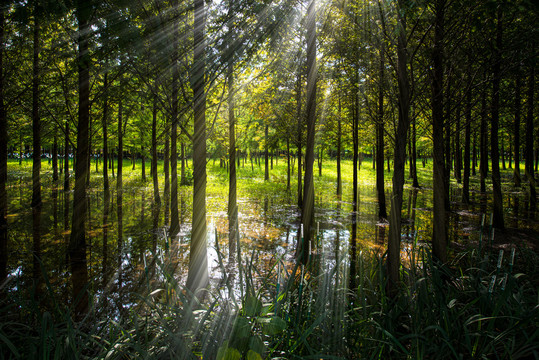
131, 243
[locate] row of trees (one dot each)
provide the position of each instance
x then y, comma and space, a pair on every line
395, 79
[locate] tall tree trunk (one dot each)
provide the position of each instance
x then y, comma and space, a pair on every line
307, 213
143, 163
36, 122
447, 138
339, 150
156, 197
467, 140
119, 171
166, 171
380, 182
233, 231
393, 251
183, 179
77, 242
483, 145
66, 157
3, 160
300, 132
174, 216
439, 228
458, 151
529, 140
266, 153
415, 182
516, 129
55, 156
197, 277
105, 132
494, 150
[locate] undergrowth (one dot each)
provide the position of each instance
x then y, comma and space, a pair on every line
481, 306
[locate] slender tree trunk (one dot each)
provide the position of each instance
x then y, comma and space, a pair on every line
183, 180
55, 156
156, 197
474, 153
288, 169
483, 145
77, 242
339, 150
494, 150
119, 172
143, 163
458, 151
66, 157
502, 154
166, 171
307, 213
174, 216
439, 236
300, 131
393, 251
3, 160
197, 277
529, 140
415, 182
233, 231
516, 130
447, 139
36, 122
380, 182
105, 132
467, 140
266, 154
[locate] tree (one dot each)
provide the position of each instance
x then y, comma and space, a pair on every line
307, 213
3, 159
77, 241
393, 251
494, 149
439, 235
197, 277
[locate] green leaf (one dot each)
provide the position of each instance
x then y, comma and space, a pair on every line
253, 306
274, 326
256, 344
251, 355
242, 328
226, 353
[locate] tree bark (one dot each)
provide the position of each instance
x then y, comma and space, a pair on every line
483, 144
266, 153
66, 157
156, 197
300, 132
498, 221
307, 213
516, 130
529, 140
393, 251
36, 121
3, 160
197, 277
105, 132
339, 150
467, 141
77, 242
439, 227
380, 182
233, 231
174, 216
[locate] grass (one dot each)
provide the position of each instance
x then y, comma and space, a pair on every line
459, 311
